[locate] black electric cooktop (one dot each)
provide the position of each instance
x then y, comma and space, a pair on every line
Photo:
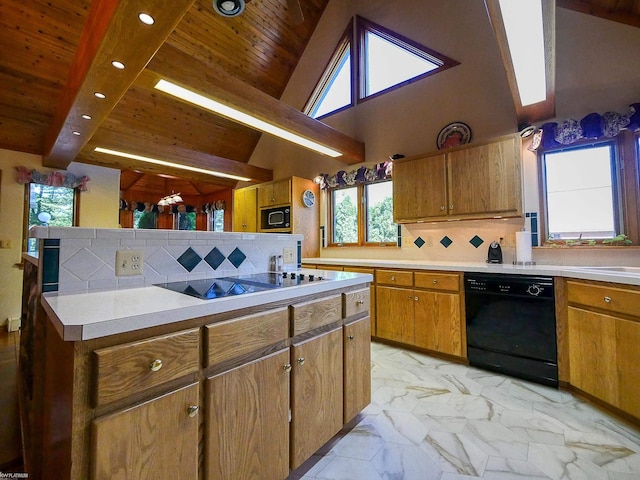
210, 288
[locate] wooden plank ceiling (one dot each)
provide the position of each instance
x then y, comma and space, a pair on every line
49, 67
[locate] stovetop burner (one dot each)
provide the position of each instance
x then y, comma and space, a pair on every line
210, 288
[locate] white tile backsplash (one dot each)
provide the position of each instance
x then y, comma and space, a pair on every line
87, 256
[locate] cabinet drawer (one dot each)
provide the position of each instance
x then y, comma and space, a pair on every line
241, 336
356, 302
394, 277
316, 313
605, 298
137, 366
438, 281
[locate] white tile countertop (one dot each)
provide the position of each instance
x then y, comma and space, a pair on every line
84, 316
617, 274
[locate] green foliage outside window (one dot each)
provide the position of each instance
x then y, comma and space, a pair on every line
187, 221
345, 223
380, 226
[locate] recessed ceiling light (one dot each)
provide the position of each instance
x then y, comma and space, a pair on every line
76, 133
100, 95
146, 18
86, 117
118, 65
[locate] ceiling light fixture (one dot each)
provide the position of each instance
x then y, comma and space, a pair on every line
100, 95
170, 199
241, 117
228, 8
118, 65
75, 132
525, 36
146, 18
169, 164
86, 117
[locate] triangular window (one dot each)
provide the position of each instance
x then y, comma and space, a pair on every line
335, 89
380, 61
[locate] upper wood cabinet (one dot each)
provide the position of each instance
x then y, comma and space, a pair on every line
481, 181
274, 193
245, 211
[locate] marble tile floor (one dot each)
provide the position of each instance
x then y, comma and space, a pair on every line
432, 419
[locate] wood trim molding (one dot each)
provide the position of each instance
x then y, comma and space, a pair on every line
587, 7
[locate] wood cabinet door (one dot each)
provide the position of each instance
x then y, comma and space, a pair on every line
592, 353
419, 189
247, 426
316, 393
395, 314
155, 440
245, 212
485, 179
628, 339
274, 193
438, 322
357, 367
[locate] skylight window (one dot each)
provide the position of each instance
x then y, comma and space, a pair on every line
380, 61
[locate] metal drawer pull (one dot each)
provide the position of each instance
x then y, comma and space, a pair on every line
416, 299
156, 365
193, 410
301, 360
393, 278
360, 302
607, 299
441, 207
435, 281
287, 367
350, 337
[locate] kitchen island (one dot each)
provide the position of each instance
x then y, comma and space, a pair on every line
150, 383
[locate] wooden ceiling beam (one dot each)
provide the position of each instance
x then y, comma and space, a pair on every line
170, 64
547, 108
111, 32
174, 154
588, 7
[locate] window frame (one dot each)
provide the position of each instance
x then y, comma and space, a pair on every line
25, 213
362, 205
346, 41
355, 37
364, 26
626, 153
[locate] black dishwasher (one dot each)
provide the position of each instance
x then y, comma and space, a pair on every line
511, 325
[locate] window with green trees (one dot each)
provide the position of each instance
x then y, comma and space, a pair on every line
186, 220
363, 215
49, 206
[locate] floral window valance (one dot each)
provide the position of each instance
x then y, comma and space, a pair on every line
591, 126
380, 171
52, 179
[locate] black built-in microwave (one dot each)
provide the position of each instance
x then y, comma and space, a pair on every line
272, 218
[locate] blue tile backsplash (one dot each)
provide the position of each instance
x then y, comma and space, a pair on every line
189, 259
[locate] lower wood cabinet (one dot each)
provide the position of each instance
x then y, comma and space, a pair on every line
157, 439
316, 393
421, 309
603, 329
247, 421
357, 367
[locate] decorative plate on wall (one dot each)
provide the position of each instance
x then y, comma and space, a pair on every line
453, 135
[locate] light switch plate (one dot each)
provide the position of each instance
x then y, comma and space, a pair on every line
288, 255
129, 262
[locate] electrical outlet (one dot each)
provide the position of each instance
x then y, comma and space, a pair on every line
288, 255
129, 262
5, 243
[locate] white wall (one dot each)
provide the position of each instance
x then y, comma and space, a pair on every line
598, 69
